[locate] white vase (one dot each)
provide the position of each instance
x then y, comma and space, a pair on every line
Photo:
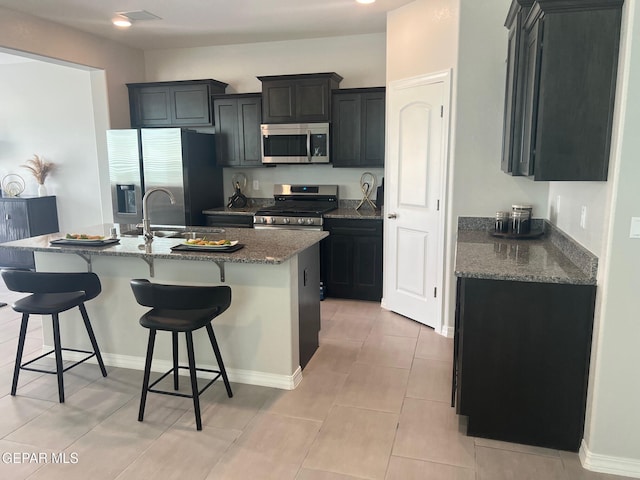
42, 190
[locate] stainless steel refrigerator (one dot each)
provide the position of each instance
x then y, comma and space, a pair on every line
182, 161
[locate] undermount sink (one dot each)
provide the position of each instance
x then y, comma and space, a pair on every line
177, 233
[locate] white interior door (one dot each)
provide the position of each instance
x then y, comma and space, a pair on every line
414, 201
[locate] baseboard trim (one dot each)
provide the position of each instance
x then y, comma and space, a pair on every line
447, 331
250, 377
626, 467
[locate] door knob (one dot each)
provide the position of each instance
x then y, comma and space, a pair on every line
392, 215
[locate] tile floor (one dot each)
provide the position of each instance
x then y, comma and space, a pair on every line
373, 404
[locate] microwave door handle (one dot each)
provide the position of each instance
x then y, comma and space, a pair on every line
309, 145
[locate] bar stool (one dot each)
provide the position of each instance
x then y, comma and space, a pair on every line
175, 309
52, 294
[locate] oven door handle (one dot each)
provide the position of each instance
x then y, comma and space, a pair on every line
309, 145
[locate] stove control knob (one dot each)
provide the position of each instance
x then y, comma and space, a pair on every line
286, 221
270, 220
301, 221
263, 220
309, 221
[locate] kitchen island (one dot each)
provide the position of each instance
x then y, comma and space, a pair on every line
524, 318
266, 336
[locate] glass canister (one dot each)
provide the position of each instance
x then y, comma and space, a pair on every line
520, 222
502, 222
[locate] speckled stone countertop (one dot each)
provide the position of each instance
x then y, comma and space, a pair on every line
554, 258
260, 246
346, 209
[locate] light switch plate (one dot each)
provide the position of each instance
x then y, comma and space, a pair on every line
635, 228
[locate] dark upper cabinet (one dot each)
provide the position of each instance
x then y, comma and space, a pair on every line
168, 104
237, 120
512, 136
303, 98
357, 134
568, 69
24, 217
352, 258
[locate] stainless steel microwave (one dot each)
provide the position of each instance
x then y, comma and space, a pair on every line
295, 143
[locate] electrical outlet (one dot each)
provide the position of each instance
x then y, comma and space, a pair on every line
583, 217
256, 185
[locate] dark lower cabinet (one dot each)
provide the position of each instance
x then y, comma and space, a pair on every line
24, 217
521, 360
352, 258
308, 303
229, 220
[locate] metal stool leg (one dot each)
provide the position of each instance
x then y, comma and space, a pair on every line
194, 380
92, 337
174, 339
147, 373
216, 350
21, 338
58, 352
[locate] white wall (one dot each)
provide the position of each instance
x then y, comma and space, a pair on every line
47, 110
611, 441
359, 59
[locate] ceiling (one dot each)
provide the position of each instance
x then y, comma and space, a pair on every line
194, 23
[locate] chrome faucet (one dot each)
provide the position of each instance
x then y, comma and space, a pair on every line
146, 222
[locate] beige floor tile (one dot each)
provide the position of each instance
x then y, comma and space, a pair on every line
368, 309
388, 351
348, 326
243, 464
430, 380
575, 471
516, 447
312, 399
32, 348
18, 411
20, 461
306, 474
61, 425
334, 355
409, 469
218, 410
433, 345
181, 453
374, 387
496, 464
328, 307
355, 442
390, 323
430, 431
283, 439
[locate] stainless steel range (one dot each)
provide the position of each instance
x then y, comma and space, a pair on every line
297, 207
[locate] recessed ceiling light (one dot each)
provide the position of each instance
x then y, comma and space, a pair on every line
121, 21
365, 1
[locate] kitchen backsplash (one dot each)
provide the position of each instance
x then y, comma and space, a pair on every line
348, 179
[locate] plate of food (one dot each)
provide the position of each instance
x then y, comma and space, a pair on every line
208, 245
84, 239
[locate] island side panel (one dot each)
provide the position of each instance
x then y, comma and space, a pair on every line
258, 334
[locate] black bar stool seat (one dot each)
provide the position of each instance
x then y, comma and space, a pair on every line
52, 294
181, 309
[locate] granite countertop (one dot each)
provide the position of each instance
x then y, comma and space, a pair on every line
260, 246
553, 258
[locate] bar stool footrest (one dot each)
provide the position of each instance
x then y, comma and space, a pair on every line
25, 366
177, 394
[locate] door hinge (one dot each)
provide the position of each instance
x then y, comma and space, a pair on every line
435, 292
441, 111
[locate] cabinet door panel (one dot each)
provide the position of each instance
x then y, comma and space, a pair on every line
190, 105
226, 118
278, 102
530, 118
373, 112
312, 100
154, 106
250, 116
346, 137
